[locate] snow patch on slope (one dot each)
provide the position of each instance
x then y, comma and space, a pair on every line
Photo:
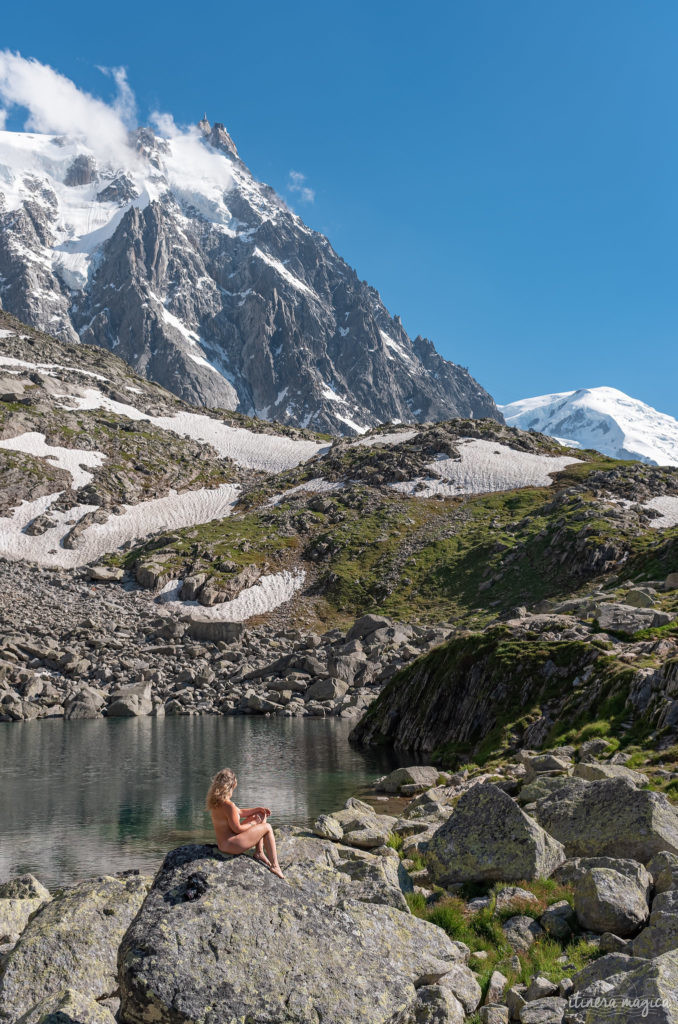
601, 418
267, 593
138, 521
668, 506
71, 459
269, 453
485, 466
391, 438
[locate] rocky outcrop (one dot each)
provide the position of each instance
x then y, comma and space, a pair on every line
71, 942
67, 1007
609, 818
219, 910
606, 900
648, 993
488, 838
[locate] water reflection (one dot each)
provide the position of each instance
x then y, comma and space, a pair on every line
85, 797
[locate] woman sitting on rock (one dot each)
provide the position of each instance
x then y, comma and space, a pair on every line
239, 829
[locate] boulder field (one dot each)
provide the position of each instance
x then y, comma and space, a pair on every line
458, 905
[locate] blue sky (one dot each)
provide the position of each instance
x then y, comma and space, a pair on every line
503, 172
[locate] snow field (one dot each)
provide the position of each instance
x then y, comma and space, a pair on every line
668, 506
172, 512
267, 593
485, 466
269, 453
318, 485
71, 459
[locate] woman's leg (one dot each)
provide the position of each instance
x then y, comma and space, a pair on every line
272, 852
260, 855
243, 841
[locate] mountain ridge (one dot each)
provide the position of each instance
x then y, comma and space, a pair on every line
202, 279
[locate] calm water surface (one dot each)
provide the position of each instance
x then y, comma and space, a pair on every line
86, 797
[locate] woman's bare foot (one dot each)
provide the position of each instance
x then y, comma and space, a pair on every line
276, 870
262, 858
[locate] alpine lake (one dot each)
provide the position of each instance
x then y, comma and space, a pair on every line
91, 797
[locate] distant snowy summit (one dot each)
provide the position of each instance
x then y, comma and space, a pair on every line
601, 418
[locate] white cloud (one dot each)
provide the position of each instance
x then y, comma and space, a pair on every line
56, 106
3, 118
189, 158
125, 102
296, 184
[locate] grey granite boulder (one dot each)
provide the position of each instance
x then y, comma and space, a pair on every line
72, 941
609, 818
14, 916
24, 887
646, 994
253, 947
131, 701
332, 872
591, 771
664, 870
67, 1006
521, 931
327, 827
489, 838
607, 901
624, 618
421, 775
661, 934
603, 968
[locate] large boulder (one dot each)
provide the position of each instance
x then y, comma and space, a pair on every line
14, 916
624, 618
606, 900
131, 701
662, 931
367, 624
646, 994
489, 838
521, 931
24, 887
425, 776
591, 772
67, 1007
326, 689
609, 818
253, 947
72, 941
604, 967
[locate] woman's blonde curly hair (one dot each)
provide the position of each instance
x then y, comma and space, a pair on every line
221, 788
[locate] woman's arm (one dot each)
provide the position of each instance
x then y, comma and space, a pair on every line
233, 815
247, 812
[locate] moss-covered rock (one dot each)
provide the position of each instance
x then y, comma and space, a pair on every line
488, 838
222, 939
67, 1007
609, 818
72, 941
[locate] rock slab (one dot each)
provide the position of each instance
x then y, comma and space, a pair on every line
489, 838
256, 948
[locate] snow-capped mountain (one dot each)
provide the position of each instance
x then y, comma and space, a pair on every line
167, 251
601, 418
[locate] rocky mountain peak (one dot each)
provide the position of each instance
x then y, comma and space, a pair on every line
217, 136
203, 280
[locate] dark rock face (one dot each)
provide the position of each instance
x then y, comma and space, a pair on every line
256, 948
258, 314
